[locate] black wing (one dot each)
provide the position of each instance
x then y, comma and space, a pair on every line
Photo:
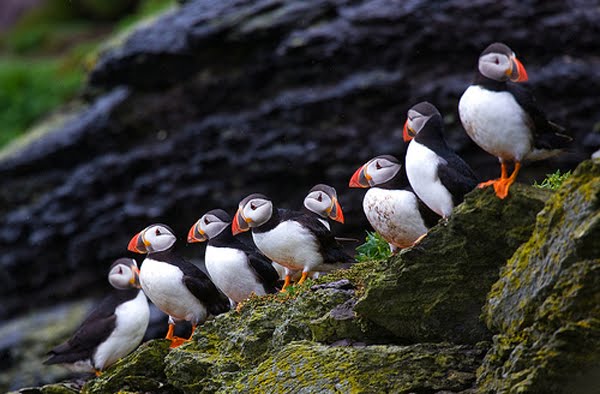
430, 218
330, 248
92, 331
201, 286
546, 134
264, 271
457, 177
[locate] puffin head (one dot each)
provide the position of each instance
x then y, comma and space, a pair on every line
499, 62
322, 200
376, 171
211, 224
417, 118
124, 274
253, 211
154, 238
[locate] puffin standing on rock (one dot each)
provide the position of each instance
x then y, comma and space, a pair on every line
390, 204
113, 329
293, 239
503, 118
176, 286
237, 269
439, 177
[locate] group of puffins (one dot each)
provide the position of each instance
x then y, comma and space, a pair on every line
404, 200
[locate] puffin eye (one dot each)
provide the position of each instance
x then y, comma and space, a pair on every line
120, 270
377, 165
205, 220
157, 232
496, 60
320, 198
252, 206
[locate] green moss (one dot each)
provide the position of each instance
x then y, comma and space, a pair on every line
553, 181
310, 367
547, 302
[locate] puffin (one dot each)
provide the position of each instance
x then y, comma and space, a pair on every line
438, 176
390, 205
294, 239
322, 200
113, 329
176, 286
237, 269
502, 117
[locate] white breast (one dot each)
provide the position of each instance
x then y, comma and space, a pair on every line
421, 169
290, 245
132, 321
496, 122
163, 284
394, 214
229, 270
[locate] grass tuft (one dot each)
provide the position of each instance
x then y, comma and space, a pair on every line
552, 181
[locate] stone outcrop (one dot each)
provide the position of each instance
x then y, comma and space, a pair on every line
218, 99
545, 308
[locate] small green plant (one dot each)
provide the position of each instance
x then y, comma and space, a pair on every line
553, 181
375, 248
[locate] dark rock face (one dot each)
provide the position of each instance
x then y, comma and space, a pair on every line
546, 306
219, 99
434, 291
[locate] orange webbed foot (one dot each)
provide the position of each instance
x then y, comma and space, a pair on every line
488, 183
177, 341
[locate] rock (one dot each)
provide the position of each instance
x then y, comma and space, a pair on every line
218, 99
435, 290
308, 367
545, 308
142, 371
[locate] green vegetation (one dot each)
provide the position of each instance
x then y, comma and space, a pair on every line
45, 55
375, 248
553, 181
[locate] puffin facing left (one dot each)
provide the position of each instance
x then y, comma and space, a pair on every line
113, 329
176, 286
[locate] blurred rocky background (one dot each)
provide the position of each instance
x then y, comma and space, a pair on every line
115, 115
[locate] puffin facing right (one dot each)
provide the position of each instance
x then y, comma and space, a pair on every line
504, 119
113, 329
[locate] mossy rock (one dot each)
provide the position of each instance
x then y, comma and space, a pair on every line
142, 371
546, 305
308, 367
233, 343
435, 291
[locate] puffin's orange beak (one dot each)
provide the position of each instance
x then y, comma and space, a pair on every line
407, 133
360, 178
517, 72
336, 211
138, 244
196, 234
239, 223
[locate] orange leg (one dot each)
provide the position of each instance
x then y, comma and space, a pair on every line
170, 332
503, 175
303, 277
175, 341
286, 283
502, 186
97, 372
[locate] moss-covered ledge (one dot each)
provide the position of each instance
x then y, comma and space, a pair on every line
309, 367
546, 305
435, 290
